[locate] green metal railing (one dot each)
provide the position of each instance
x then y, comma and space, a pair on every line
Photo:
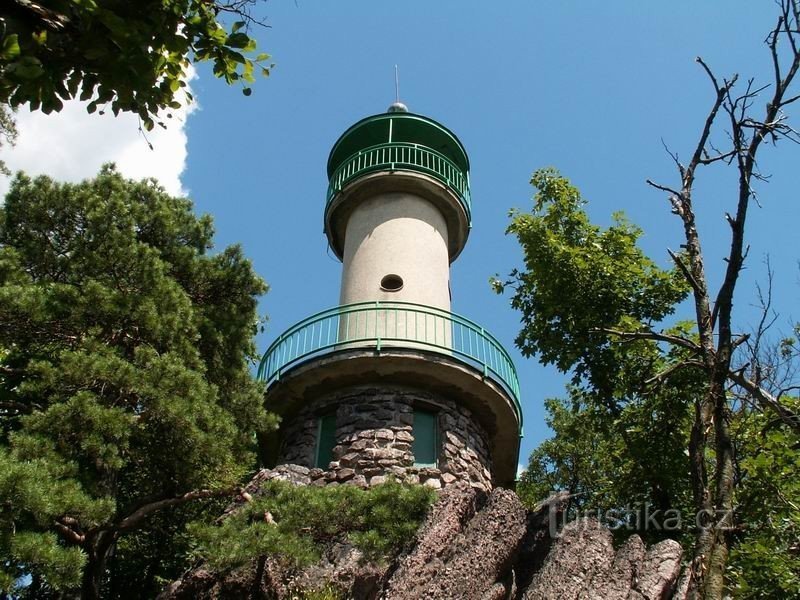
391, 324
400, 156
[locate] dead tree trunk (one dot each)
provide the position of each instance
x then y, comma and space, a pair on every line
710, 435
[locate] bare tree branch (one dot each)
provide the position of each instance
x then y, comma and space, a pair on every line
767, 400
685, 271
663, 375
674, 156
663, 188
707, 160
650, 335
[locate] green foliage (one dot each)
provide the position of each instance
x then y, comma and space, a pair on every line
133, 55
35, 492
620, 454
580, 278
615, 466
125, 374
765, 561
327, 592
621, 438
8, 134
299, 523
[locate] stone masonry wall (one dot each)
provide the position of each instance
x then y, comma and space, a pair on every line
374, 437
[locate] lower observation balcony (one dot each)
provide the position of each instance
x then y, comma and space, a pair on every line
384, 327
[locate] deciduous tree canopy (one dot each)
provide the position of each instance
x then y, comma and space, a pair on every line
623, 444
131, 56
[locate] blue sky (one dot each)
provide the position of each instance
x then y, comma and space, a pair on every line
590, 88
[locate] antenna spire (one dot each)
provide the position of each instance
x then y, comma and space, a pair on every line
397, 106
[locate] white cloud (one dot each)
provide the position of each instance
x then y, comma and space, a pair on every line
71, 145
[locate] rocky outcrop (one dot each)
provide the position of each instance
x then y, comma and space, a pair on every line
583, 564
473, 545
457, 505
470, 564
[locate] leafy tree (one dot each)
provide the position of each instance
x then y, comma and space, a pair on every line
614, 464
621, 434
594, 294
125, 389
133, 55
622, 460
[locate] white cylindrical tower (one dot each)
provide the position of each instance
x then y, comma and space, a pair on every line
397, 215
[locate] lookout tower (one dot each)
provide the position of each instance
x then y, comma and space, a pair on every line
390, 382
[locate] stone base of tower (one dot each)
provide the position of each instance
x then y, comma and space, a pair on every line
374, 438
378, 392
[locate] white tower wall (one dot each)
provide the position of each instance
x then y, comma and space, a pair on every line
398, 234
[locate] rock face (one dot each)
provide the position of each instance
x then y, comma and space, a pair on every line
458, 557
474, 545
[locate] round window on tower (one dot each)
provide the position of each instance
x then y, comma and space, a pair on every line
392, 283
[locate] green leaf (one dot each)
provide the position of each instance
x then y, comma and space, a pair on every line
131, 56
40, 38
10, 49
247, 72
238, 40
27, 67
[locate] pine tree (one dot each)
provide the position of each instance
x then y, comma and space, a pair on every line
125, 388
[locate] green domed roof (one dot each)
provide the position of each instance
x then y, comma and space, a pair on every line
397, 127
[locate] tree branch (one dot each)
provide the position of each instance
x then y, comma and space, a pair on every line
722, 91
138, 515
717, 157
747, 164
35, 13
686, 272
766, 400
740, 340
69, 534
652, 336
659, 377
663, 188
